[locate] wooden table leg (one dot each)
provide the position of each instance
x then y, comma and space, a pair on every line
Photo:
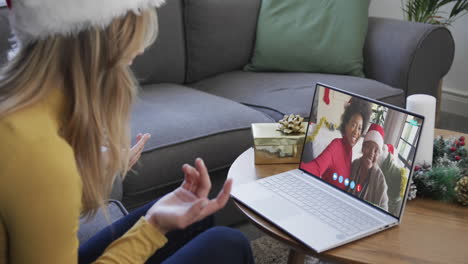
296, 257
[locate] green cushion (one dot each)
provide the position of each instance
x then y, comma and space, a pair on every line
393, 177
321, 36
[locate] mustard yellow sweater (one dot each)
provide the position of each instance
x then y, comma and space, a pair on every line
40, 195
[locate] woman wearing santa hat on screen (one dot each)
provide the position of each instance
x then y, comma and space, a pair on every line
67, 91
367, 180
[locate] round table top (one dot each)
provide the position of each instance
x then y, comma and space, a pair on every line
448, 133
244, 170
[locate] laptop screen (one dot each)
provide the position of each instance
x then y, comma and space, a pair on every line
362, 147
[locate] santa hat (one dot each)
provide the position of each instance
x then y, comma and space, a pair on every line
375, 134
38, 19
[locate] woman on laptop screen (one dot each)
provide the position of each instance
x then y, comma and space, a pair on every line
337, 156
367, 180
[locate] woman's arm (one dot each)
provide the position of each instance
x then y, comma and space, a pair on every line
135, 246
41, 205
41, 201
319, 165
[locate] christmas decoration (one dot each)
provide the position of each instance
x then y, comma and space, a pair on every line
412, 191
437, 182
272, 146
292, 124
461, 190
326, 96
447, 179
378, 116
323, 122
450, 152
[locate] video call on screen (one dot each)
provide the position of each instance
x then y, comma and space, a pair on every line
363, 148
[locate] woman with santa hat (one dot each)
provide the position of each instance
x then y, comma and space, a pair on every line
65, 93
367, 180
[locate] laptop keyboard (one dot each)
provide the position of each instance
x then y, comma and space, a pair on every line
319, 203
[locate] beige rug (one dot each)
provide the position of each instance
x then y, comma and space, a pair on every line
267, 250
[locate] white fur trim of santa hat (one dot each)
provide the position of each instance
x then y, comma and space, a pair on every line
375, 134
32, 20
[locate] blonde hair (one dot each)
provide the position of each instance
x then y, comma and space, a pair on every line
92, 70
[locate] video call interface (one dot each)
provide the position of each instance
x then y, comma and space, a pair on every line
363, 148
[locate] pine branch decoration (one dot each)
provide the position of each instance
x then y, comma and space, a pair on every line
462, 190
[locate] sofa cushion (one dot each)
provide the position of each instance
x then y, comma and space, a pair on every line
311, 36
288, 93
220, 35
164, 61
185, 124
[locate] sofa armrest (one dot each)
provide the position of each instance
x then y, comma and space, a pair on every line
411, 56
117, 189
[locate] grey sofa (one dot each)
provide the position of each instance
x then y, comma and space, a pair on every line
196, 101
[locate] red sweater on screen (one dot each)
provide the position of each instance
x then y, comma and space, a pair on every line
336, 158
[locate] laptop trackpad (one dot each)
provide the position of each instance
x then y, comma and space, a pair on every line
275, 208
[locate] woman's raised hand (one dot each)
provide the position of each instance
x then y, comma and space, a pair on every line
189, 203
135, 151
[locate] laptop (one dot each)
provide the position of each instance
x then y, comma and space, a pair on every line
353, 178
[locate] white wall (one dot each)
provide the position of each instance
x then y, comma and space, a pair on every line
2, 3
335, 109
455, 83
386, 8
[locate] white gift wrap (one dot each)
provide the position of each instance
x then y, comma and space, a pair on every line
424, 105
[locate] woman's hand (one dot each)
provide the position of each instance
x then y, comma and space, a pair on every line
135, 151
189, 203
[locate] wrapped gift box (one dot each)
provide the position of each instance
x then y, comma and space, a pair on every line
272, 146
